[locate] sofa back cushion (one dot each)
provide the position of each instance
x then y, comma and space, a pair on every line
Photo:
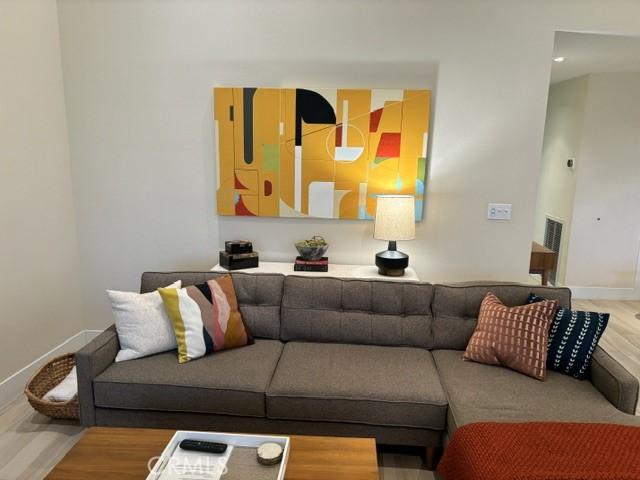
259, 296
456, 307
366, 312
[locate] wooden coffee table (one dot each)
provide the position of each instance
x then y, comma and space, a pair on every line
123, 453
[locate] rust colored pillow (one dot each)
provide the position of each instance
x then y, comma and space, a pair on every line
514, 337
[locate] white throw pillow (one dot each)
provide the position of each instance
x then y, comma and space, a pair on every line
142, 323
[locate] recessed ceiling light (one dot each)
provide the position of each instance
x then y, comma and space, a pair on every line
559, 59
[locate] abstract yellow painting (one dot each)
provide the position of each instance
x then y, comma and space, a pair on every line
324, 153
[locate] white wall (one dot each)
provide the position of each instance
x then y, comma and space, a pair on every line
557, 184
39, 285
605, 237
138, 77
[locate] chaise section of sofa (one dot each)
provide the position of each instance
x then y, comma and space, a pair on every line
481, 393
478, 392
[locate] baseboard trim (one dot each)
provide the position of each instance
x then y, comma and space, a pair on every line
13, 386
604, 293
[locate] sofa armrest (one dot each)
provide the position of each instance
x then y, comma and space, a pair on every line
91, 361
614, 381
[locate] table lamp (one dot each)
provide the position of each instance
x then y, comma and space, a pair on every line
395, 220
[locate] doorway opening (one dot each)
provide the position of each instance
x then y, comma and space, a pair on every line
587, 224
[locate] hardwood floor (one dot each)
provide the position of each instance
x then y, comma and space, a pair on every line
31, 444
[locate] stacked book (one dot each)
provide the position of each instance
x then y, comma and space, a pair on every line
320, 265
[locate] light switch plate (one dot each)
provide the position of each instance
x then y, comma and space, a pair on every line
499, 211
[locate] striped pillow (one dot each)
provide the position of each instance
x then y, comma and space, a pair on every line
205, 318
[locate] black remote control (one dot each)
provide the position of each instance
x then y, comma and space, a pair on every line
200, 446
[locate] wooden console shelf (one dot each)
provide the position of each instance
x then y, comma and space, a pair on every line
543, 261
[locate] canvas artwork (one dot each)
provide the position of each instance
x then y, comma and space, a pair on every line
325, 153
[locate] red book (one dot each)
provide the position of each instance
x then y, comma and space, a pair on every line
302, 261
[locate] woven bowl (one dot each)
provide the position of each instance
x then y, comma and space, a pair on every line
311, 253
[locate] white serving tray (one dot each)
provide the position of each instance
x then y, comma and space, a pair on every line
231, 439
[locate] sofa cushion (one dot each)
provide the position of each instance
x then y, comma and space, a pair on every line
456, 307
479, 393
259, 295
392, 386
230, 382
357, 311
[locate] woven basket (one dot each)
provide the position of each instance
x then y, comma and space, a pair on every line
44, 380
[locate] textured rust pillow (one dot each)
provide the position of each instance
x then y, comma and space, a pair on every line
514, 337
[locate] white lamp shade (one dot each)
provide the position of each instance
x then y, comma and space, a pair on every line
395, 218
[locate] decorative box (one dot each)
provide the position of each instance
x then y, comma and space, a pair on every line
236, 261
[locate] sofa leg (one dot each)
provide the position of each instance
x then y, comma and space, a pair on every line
432, 457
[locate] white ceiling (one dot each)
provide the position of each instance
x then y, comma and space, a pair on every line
591, 53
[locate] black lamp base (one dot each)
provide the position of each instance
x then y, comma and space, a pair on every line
392, 263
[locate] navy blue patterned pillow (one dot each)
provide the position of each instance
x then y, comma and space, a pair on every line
573, 338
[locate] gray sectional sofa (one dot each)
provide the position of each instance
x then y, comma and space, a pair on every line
348, 358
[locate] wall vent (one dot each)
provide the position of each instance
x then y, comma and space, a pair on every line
552, 240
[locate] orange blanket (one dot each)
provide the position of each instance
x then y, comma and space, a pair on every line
542, 451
